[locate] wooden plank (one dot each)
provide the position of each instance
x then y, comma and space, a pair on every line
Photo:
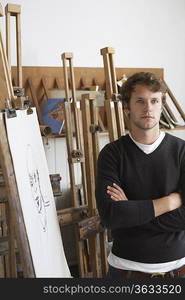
95, 134
15, 11
109, 90
6, 90
10, 220
8, 39
103, 252
4, 245
37, 72
93, 254
19, 49
113, 73
44, 84
58, 83
35, 100
69, 140
100, 122
170, 112
177, 105
113, 106
107, 70
1, 11
88, 150
3, 194
80, 254
119, 118
111, 117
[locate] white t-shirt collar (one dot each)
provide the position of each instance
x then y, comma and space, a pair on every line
150, 148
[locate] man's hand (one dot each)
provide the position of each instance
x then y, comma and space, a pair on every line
116, 193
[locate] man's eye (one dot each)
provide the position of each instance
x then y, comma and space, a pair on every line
155, 101
139, 100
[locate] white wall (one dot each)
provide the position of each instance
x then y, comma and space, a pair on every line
144, 33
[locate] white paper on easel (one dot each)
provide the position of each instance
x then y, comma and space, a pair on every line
36, 195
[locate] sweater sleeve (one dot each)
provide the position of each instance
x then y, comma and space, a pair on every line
117, 214
173, 221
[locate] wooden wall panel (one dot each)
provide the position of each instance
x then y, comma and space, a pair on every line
87, 75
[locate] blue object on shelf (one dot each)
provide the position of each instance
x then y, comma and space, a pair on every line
53, 115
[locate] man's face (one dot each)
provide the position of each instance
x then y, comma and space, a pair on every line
145, 108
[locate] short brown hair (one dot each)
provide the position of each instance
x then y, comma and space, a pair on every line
148, 79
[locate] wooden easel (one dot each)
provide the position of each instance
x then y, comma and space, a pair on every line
113, 105
91, 146
75, 152
81, 153
10, 202
14, 10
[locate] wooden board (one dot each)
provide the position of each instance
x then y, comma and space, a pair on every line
6, 91
36, 73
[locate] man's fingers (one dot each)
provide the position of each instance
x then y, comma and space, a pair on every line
111, 193
117, 187
114, 190
119, 192
115, 199
115, 193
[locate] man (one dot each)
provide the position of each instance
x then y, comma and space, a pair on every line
140, 188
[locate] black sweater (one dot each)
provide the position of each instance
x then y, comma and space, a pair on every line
137, 234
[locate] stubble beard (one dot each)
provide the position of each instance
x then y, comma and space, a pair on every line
148, 126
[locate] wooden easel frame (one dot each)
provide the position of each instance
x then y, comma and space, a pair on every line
16, 226
14, 10
87, 229
76, 155
5, 76
113, 105
91, 145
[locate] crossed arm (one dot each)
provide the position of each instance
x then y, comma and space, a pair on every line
162, 214
169, 211
161, 205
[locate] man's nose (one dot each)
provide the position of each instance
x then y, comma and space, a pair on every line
148, 106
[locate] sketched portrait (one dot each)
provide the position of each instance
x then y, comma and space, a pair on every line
34, 180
